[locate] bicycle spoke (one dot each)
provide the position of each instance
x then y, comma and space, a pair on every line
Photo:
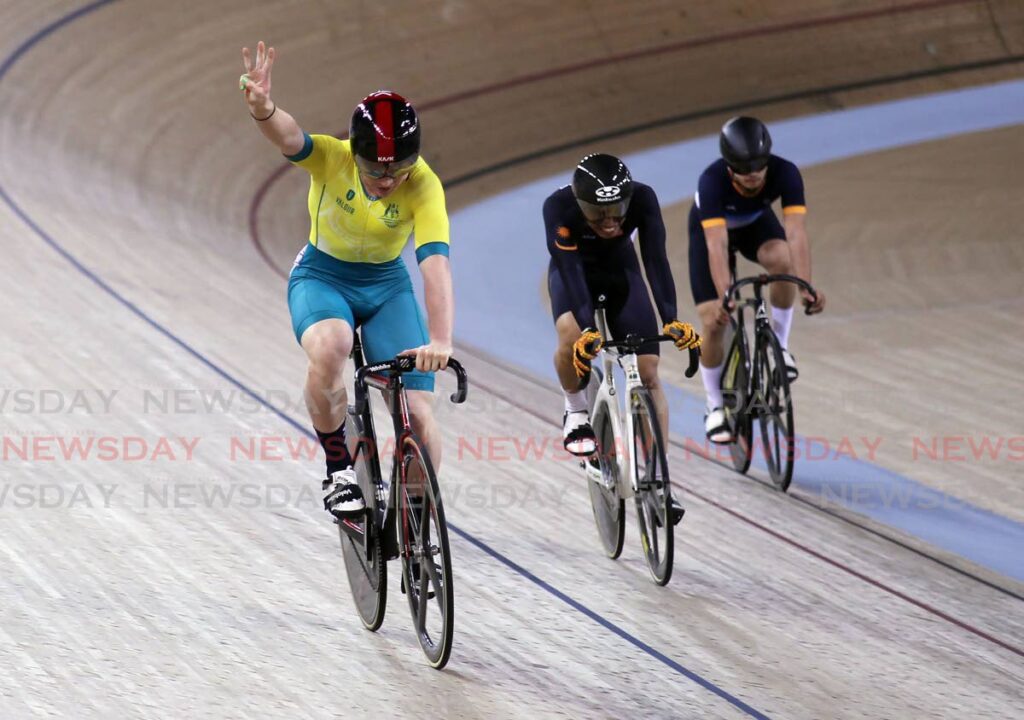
778, 441
429, 568
653, 536
360, 555
435, 575
425, 513
424, 597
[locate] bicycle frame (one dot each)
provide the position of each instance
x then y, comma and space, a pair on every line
748, 341
391, 388
760, 309
606, 396
393, 391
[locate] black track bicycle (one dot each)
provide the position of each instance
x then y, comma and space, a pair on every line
404, 517
755, 383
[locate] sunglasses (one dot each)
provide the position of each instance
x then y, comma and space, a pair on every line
597, 213
749, 168
378, 170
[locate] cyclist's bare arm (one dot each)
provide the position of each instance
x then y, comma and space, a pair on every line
718, 257
800, 253
437, 295
799, 249
276, 125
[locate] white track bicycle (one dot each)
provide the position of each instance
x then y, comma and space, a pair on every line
616, 472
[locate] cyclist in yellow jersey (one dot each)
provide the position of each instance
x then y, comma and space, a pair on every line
367, 195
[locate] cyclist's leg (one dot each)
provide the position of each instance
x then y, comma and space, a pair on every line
567, 328
395, 325
705, 297
772, 253
322, 322
577, 433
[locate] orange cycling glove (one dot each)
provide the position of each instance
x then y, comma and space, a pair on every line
686, 338
584, 350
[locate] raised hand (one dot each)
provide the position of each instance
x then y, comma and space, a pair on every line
255, 83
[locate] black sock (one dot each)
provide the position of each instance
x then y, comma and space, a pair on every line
335, 449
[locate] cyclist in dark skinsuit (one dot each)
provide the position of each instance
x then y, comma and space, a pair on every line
732, 212
589, 227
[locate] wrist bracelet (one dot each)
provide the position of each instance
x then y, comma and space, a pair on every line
267, 117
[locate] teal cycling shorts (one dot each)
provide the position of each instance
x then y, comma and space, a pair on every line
375, 298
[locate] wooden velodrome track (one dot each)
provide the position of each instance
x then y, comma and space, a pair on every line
128, 170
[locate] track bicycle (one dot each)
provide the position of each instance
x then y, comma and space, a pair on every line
613, 474
404, 517
755, 383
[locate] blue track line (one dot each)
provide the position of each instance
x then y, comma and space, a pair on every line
609, 625
135, 309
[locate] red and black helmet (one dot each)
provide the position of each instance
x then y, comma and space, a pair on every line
385, 128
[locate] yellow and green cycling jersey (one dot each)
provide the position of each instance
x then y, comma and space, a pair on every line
351, 226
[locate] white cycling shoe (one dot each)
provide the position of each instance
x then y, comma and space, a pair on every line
577, 434
791, 372
716, 427
344, 498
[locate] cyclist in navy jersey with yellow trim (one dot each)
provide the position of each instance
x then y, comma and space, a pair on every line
732, 211
589, 227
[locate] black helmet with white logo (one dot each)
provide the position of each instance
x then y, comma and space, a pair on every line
603, 186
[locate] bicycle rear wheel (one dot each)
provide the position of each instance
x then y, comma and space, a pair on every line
776, 410
426, 559
735, 390
367, 572
653, 492
602, 470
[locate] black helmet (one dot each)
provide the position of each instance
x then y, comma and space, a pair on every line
385, 129
745, 144
602, 186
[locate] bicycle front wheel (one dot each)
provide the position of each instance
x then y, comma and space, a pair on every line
364, 563
602, 470
735, 391
426, 559
775, 409
653, 491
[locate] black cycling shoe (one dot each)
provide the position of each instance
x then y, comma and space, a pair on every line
676, 512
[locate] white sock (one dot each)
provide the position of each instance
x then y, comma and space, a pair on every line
782, 320
575, 402
712, 377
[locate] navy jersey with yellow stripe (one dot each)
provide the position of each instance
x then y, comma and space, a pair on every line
576, 250
719, 203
